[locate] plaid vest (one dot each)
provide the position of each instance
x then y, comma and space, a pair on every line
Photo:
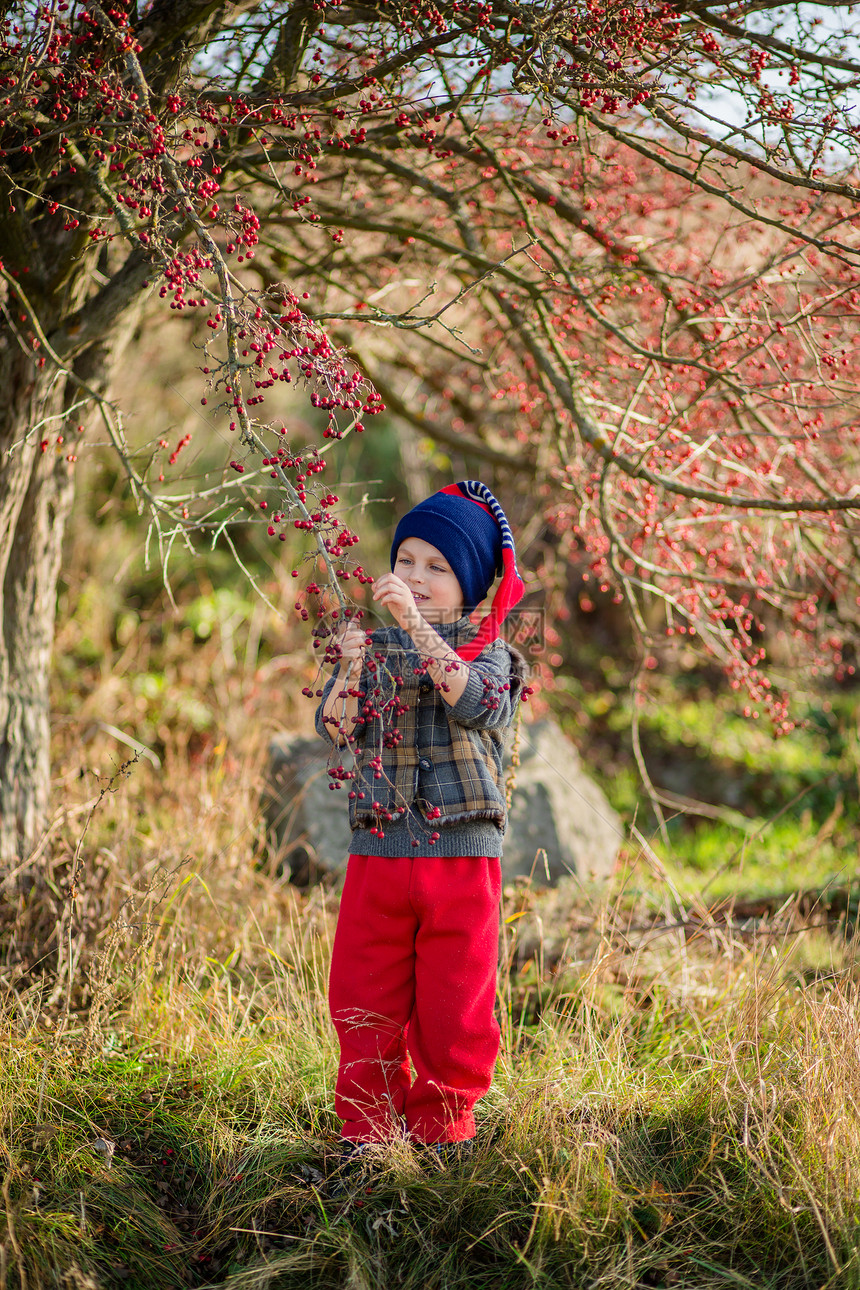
417, 751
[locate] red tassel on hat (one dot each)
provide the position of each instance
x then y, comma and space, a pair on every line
511, 588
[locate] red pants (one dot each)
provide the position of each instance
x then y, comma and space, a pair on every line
413, 974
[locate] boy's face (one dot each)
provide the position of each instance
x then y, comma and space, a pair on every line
430, 578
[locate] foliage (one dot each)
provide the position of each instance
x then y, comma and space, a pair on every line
131, 654
612, 247
693, 738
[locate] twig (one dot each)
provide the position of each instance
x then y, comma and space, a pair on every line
74, 878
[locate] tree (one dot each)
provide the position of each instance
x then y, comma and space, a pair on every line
613, 245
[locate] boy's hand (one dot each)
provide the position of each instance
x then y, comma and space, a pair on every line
393, 593
352, 646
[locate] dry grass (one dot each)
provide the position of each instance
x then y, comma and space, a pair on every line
676, 1103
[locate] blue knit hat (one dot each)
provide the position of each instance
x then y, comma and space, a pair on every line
467, 524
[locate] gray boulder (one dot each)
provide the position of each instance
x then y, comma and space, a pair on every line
307, 824
561, 824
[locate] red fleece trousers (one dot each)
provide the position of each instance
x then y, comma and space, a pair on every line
413, 974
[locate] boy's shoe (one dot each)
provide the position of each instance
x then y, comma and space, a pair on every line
353, 1166
448, 1155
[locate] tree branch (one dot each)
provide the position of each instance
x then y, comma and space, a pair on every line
440, 433
294, 35
782, 46
103, 310
598, 441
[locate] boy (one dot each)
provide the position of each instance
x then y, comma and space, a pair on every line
425, 706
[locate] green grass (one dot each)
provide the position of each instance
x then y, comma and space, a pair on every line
697, 743
795, 853
670, 1109
676, 1102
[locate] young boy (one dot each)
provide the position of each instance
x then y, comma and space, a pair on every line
425, 706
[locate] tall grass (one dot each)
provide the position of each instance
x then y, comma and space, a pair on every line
676, 1101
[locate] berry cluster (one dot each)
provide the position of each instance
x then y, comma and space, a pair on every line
673, 411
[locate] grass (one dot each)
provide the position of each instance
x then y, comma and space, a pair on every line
797, 853
676, 1101
675, 1105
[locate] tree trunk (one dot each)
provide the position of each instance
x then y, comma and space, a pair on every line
36, 494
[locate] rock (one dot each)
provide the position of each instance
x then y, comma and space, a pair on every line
561, 824
306, 823
105, 1149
